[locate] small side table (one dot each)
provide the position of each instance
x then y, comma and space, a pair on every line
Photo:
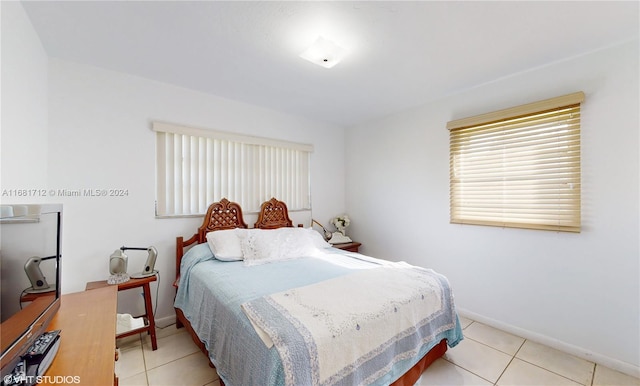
351, 247
149, 327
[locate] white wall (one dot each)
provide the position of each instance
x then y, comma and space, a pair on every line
100, 138
23, 129
69, 126
580, 291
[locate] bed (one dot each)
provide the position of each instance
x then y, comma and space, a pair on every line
276, 305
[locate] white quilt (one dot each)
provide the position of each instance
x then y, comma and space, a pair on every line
342, 324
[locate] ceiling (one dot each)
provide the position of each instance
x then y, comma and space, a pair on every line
401, 54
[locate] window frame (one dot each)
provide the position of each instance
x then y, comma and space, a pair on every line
476, 173
216, 164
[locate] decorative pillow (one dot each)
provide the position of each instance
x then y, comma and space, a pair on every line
226, 245
268, 245
316, 238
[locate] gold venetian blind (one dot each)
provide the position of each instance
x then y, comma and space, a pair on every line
518, 167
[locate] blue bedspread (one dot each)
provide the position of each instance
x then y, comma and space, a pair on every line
240, 356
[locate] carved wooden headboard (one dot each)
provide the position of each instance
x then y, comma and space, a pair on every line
220, 215
228, 215
273, 214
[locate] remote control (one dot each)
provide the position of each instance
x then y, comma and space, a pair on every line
41, 345
18, 376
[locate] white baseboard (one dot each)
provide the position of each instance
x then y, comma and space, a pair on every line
166, 321
612, 363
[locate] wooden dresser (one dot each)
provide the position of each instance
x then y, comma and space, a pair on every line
87, 321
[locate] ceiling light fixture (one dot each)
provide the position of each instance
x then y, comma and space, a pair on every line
324, 53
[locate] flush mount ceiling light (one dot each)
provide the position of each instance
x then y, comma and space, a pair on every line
324, 53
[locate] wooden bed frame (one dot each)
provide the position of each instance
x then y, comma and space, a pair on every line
273, 214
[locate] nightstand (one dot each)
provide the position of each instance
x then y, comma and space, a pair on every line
150, 325
351, 247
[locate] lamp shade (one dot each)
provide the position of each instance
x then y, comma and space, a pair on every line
118, 262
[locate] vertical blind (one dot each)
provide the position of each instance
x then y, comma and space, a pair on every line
518, 167
196, 167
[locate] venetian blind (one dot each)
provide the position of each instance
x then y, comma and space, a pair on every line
195, 167
518, 167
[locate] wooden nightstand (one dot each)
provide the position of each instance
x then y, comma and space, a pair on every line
351, 247
150, 325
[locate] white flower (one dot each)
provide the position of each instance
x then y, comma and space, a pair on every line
341, 222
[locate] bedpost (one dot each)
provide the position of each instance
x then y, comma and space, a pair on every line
179, 252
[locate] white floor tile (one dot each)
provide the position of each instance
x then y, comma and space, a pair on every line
558, 362
522, 373
191, 370
479, 359
167, 331
444, 373
136, 380
605, 376
128, 342
464, 322
161, 333
170, 348
495, 338
130, 362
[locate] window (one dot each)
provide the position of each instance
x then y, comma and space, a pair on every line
196, 167
518, 167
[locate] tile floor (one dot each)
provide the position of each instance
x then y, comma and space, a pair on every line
486, 357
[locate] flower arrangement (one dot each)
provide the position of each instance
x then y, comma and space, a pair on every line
341, 223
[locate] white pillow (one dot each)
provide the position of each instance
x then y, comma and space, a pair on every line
316, 238
267, 245
226, 245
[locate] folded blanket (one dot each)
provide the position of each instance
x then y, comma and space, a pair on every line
354, 328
